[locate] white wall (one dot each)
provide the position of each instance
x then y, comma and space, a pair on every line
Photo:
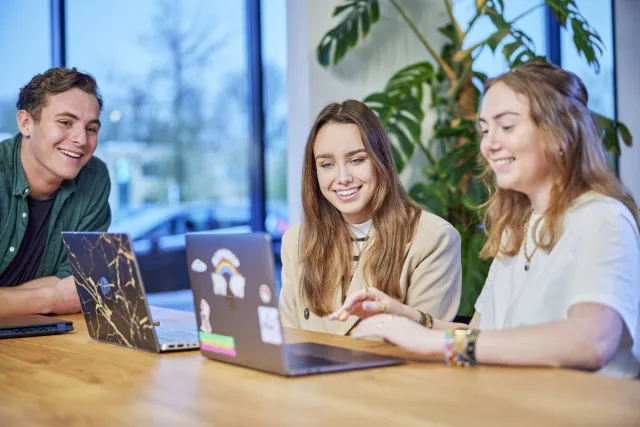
389, 46
627, 40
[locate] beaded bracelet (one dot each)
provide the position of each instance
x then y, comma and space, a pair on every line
459, 347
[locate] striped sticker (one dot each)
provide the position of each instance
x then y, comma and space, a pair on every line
220, 344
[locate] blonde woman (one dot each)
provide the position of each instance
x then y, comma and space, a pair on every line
361, 231
564, 287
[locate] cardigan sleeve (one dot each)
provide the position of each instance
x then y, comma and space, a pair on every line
288, 293
435, 284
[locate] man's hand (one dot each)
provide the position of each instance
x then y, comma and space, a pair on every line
46, 295
65, 299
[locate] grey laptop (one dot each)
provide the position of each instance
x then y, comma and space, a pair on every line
234, 292
113, 297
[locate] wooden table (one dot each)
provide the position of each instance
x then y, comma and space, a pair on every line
70, 380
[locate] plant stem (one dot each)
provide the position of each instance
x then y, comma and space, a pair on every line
526, 12
464, 54
458, 31
475, 18
462, 79
451, 75
443, 146
427, 153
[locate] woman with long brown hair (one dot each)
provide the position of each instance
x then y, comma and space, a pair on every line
564, 286
361, 232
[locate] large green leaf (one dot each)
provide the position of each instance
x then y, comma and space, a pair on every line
462, 169
476, 194
521, 50
398, 159
433, 197
491, 7
585, 37
474, 269
445, 130
460, 153
359, 16
496, 38
611, 131
453, 165
449, 32
410, 81
481, 76
495, 11
402, 118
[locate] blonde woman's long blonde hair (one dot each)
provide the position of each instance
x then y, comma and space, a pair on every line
573, 150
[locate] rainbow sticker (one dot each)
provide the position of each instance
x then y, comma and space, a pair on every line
226, 275
226, 267
220, 344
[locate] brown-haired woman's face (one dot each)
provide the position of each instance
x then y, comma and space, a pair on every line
511, 142
346, 175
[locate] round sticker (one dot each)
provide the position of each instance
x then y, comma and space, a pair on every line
265, 294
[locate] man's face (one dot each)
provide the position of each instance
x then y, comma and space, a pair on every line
66, 136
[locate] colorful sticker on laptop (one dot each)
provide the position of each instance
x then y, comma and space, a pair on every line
220, 344
225, 263
270, 330
265, 294
198, 266
205, 312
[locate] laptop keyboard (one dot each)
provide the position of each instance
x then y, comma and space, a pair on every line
172, 336
307, 360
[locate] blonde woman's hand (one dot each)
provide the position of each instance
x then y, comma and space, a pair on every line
402, 332
369, 302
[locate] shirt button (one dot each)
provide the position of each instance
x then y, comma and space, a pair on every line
26, 191
24, 214
11, 249
306, 310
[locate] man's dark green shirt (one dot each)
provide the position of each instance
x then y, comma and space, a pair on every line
81, 204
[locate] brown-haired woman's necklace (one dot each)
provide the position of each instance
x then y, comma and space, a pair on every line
527, 264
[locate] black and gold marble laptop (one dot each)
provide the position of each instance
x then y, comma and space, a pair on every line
112, 294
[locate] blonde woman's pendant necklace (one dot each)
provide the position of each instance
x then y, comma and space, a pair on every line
527, 264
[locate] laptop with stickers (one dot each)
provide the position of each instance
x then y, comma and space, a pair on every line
234, 292
113, 298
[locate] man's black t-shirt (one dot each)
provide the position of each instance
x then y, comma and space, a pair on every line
24, 266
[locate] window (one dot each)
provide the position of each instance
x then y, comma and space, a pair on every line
599, 85
274, 59
19, 65
174, 79
530, 19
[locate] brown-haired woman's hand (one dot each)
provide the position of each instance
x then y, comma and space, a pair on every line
402, 332
369, 302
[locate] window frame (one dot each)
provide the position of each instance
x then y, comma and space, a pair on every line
253, 28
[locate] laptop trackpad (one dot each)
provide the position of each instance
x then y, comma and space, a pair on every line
329, 354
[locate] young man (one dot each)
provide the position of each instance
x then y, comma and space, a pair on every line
49, 183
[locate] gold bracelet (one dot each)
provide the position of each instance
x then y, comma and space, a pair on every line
426, 320
429, 321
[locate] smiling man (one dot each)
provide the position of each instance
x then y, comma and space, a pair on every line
49, 182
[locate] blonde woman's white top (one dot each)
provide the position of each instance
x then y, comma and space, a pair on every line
596, 260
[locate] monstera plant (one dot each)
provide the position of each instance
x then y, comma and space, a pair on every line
448, 78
